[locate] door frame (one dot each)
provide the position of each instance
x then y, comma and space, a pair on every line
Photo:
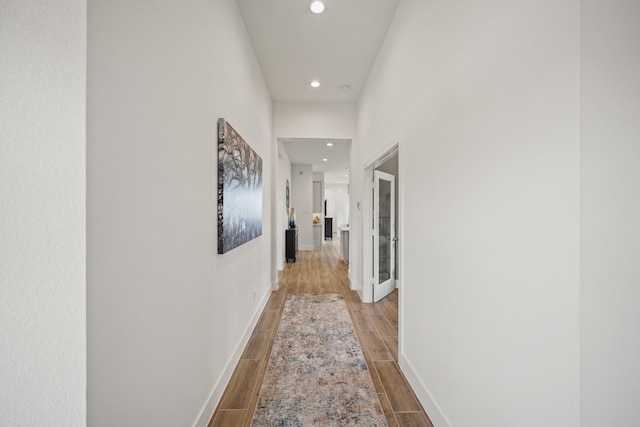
367, 219
367, 214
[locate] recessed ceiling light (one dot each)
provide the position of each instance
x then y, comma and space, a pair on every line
316, 6
329, 144
324, 160
345, 88
315, 83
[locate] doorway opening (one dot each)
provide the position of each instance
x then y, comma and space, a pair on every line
387, 164
314, 174
382, 227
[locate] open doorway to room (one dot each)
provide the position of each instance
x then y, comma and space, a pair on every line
315, 173
381, 227
336, 209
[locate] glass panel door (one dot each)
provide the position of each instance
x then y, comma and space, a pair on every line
384, 231
383, 234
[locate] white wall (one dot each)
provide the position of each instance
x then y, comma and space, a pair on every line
483, 99
42, 217
314, 120
610, 211
302, 202
284, 175
168, 316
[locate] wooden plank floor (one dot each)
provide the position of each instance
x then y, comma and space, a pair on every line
320, 272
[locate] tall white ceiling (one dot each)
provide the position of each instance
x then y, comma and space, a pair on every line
338, 47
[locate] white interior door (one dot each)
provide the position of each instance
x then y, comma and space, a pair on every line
383, 235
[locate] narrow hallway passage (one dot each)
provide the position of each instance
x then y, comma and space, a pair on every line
376, 325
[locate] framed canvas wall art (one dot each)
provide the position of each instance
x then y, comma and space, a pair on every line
239, 189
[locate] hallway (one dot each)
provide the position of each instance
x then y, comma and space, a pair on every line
319, 272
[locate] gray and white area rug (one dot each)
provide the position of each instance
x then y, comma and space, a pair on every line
317, 374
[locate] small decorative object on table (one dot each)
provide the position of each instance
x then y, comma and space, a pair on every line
292, 218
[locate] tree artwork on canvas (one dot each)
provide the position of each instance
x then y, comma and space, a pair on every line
239, 189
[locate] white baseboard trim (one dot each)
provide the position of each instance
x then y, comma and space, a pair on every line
203, 418
275, 285
424, 395
306, 248
355, 286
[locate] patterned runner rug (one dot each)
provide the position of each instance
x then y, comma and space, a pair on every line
317, 375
